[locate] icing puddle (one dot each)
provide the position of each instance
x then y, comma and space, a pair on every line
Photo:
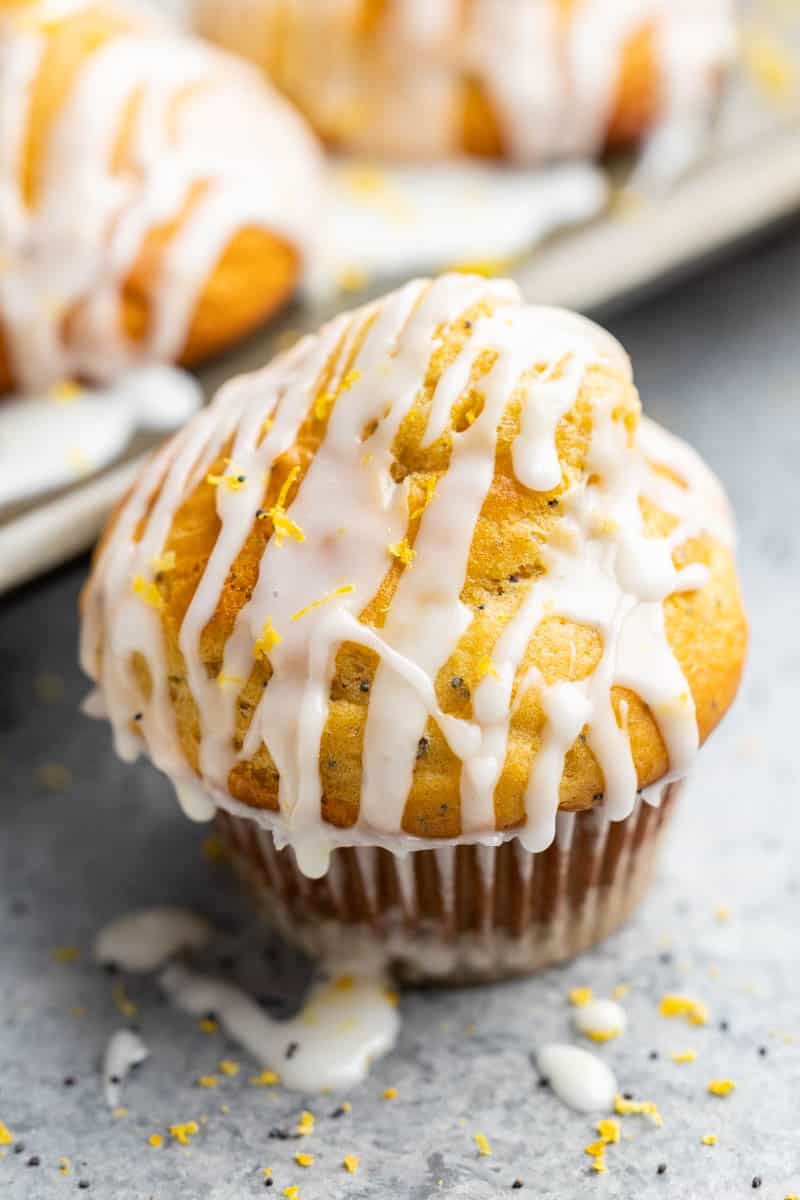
145, 940
345, 1024
53, 440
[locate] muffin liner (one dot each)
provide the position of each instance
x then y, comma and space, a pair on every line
459, 913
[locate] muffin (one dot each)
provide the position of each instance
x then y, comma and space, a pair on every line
526, 81
435, 621
156, 196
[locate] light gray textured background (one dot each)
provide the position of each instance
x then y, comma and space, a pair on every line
718, 360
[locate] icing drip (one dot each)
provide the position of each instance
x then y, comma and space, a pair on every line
579, 1079
551, 80
145, 940
602, 572
125, 1050
343, 1027
206, 141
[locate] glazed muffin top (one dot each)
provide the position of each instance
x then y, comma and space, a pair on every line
156, 195
526, 80
428, 575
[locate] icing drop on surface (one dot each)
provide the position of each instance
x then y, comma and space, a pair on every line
207, 139
600, 1017
580, 1079
343, 1027
145, 940
422, 218
125, 1050
602, 571
46, 444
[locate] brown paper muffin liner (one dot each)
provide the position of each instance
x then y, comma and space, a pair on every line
459, 913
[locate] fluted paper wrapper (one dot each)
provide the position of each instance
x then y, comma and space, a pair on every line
465, 913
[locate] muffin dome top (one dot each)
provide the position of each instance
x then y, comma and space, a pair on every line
527, 80
426, 574
156, 196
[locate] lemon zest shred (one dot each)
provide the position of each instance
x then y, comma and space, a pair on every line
304, 1160
66, 954
684, 1056
224, 680
268, 640
485, 667
390, 1093
683, 1006
709, 1139
64, 1165
608, 1130
155, 1140
350, 1162
579, 996
595, 1149
6, 1136
402, 551
344, 590
645, 1108
163, 562
208, 1025
208, 1081
601, 1035
229, 1066
184, 1132
265, 1079
282, 525
721, 1087
123, 1001
482, 1142
306, 1123
233, 482
65, 391
429, 490
147, 591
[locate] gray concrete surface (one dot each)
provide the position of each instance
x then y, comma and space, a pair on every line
84, 837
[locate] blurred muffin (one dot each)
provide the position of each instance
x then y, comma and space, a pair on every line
156, 197
426, 583
526, 81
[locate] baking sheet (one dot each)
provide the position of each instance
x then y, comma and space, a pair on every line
747, 179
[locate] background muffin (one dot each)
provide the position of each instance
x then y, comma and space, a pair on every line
158, 198
527, 81
427, 583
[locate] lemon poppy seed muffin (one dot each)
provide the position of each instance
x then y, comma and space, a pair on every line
157, 198
527, 81
435, 620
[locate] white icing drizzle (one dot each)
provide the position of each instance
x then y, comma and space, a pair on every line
601, 570
125, 1050
202, 126
601, 1018
579, 1079
146, 939
344, 1026
551, 80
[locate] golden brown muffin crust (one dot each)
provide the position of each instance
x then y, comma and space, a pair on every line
706, 628
258, 270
